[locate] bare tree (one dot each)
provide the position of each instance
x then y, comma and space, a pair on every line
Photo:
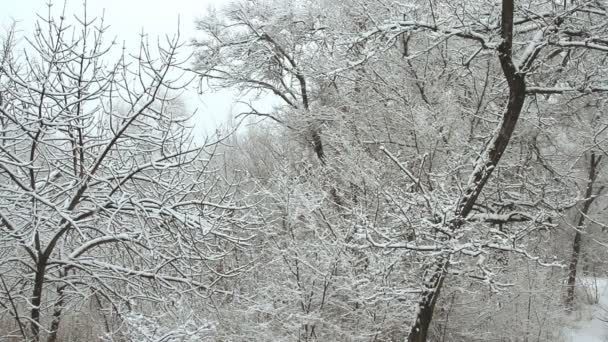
538, 35
103, 196
589, 198
245, 49
419, 103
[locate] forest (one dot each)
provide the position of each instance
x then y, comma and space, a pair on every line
429, 170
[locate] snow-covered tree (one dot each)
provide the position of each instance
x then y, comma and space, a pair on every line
104, 198
443, 154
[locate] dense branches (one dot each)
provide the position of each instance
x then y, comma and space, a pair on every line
418, 103
103, 193
420, 156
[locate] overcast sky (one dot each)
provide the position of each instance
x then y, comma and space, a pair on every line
127, 19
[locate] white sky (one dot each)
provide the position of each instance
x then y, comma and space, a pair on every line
127, 19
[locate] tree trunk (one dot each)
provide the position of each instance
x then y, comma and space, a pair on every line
576, 245
481, 173
426, 306
57, 311
37, 298
318, 145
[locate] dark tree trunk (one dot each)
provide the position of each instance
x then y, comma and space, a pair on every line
318, 145
426, 306
482, 172
57, 312
37, 298
576, 245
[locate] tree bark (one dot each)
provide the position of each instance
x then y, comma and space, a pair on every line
576, 245
37, 298
57, 312
485, 164
426, 306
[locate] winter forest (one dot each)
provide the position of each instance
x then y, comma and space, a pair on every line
429, 170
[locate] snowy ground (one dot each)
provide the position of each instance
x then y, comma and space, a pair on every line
592, 325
